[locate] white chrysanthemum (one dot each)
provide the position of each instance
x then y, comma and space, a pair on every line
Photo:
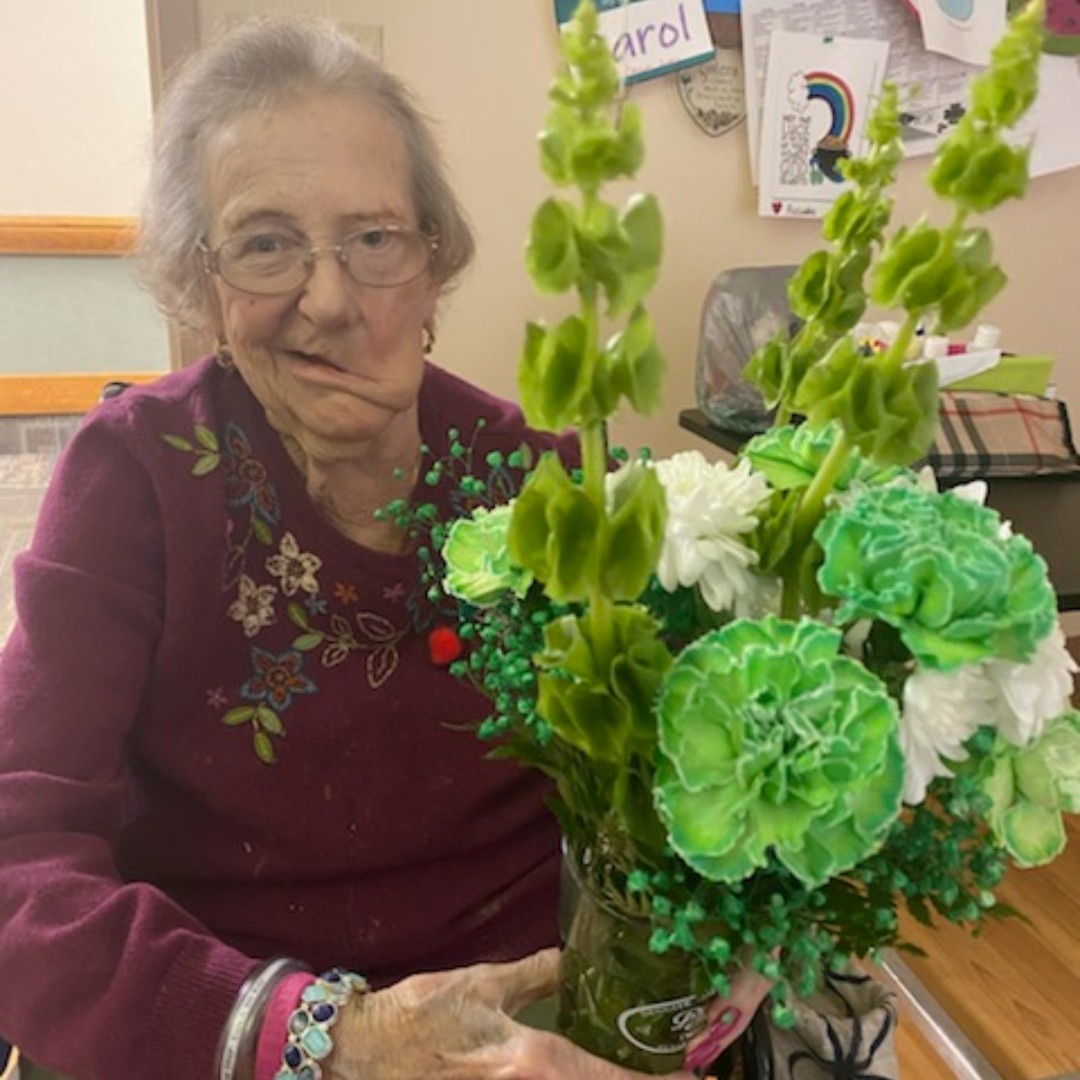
941, 711
710, 508
1029, 695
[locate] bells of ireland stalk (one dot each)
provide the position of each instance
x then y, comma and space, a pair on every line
774, 745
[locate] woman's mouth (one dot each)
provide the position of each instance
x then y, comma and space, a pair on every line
312, 359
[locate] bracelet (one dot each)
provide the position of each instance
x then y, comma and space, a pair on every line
309, 1026
238, 1038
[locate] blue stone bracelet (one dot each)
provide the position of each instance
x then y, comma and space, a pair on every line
309, 1026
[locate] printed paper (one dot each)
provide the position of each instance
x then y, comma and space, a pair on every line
819, 92
963, 29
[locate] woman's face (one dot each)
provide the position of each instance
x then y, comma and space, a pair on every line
336, 364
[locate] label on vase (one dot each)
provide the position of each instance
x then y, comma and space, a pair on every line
664, 1027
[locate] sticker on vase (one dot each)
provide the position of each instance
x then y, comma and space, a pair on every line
663, 1027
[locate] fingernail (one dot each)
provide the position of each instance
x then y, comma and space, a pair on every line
697, 1061
704, 1053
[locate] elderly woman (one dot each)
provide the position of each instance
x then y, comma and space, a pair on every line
228, 757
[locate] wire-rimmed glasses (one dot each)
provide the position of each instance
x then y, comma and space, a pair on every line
269, 262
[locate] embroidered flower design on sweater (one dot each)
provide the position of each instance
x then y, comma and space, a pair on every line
273, 581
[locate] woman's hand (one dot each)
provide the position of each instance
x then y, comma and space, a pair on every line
456, 1025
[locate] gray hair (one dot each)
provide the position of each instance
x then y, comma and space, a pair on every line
263, 64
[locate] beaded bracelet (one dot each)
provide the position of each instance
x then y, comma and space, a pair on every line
309, 1026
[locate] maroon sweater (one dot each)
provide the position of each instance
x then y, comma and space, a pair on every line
185, 615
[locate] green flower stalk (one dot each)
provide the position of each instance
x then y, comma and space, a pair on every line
936, 568
585, 544
771, 742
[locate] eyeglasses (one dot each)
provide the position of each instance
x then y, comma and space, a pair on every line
270, 263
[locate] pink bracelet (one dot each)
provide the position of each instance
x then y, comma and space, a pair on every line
274, 1031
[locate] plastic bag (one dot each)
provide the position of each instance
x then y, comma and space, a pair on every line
744, 309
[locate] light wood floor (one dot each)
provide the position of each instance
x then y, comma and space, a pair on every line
918, 1058
1014, 990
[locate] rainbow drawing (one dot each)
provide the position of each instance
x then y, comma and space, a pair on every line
836, 94
830, 88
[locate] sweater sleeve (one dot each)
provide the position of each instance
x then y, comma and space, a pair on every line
101, 978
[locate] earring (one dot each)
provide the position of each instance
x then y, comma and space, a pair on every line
223, 354
427, 336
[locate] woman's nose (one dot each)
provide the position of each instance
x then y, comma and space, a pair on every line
330, 294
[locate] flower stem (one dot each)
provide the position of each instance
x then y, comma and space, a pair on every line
809, 514
813, 501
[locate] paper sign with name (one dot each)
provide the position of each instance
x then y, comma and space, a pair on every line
650, 37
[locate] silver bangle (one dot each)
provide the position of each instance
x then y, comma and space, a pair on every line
239, 1037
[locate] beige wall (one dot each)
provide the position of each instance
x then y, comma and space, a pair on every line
74, 107
74, 128
483, 68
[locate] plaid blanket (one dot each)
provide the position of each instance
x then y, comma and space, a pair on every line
987, 434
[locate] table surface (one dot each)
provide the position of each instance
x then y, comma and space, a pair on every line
1046, 509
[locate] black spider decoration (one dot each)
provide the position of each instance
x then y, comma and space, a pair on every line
846, 1064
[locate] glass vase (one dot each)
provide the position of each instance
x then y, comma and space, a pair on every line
620, 1000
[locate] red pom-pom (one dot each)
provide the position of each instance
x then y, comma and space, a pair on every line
444, 645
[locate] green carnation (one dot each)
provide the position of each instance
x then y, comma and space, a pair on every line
478, 565
772, 741
937, 568
790, 457
1031, 787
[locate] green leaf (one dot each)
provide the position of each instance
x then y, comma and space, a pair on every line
553, 532
912, 249
177, 442
240, 715
261, 531
205, 463
264, 748
643, 229
269, 720
307, 642
551, 256
298, 615
634, 367
631, 543
555, 376
206, 437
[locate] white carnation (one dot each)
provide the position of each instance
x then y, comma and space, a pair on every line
710, 508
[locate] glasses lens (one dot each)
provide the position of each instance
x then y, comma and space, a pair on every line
386, 255
264, 262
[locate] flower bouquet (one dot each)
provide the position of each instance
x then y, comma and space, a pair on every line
780, 699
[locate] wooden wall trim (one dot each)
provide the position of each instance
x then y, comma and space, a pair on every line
28, 235
61, 395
